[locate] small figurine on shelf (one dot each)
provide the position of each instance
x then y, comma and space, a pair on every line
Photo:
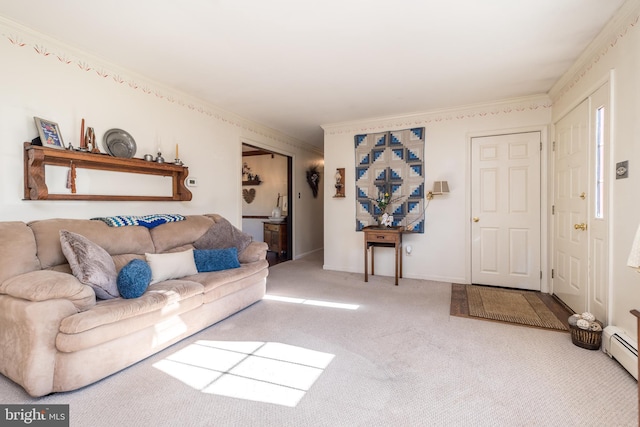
159, 158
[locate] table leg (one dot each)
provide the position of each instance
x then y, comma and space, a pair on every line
366, 262
400, 255
396, 263
373, 261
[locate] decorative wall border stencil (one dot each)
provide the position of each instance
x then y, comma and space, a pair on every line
22, 37
391, 162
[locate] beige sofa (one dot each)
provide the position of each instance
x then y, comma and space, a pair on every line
55, 336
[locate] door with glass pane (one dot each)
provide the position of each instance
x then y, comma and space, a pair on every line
580, 255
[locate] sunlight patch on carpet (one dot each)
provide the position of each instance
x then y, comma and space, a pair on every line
258, 371
312, 302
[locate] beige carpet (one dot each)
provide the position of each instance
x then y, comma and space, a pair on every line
357, 354
513, 306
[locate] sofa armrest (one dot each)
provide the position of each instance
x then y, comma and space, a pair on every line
28, 333
44, 285
256, 251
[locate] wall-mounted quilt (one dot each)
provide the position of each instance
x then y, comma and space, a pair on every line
393, 163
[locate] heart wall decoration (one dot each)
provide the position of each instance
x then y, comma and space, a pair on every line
249, 194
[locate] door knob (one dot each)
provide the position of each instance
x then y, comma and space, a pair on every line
476, 219
582, 226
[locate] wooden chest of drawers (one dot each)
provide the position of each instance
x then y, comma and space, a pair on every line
275, 235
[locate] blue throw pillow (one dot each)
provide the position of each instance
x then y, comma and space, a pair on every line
216, 259
134, 278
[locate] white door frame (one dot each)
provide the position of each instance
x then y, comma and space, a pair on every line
544, 205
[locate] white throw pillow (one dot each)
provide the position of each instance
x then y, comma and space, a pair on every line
171, 266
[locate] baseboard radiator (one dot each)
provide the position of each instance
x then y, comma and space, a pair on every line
618, 345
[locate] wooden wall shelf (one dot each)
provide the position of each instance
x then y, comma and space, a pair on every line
252, 182
36, 157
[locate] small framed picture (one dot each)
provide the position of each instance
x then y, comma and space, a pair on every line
50, 135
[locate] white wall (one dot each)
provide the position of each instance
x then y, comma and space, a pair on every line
442, 252
41, 77
616, 51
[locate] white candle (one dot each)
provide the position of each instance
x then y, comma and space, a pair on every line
177, 156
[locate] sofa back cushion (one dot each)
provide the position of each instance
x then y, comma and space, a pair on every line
177, 234
18, 252
115, 240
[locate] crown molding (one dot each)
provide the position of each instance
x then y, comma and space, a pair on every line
626, 19
48, 48
431, 117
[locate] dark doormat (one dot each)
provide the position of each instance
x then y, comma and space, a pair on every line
527, 308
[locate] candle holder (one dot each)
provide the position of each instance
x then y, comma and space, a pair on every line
178, 162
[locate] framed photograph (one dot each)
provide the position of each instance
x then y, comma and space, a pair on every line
49, 132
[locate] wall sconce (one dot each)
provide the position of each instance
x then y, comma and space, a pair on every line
339, 176
439, 188
634, 255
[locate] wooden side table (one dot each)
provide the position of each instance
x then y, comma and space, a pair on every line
388, 237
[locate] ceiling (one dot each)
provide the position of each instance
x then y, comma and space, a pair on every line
294, 65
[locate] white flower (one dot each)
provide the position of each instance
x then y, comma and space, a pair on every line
387, 220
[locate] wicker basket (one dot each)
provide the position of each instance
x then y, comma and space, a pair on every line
590, 340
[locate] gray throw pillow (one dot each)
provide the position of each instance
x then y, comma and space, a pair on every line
223, 235
91, 264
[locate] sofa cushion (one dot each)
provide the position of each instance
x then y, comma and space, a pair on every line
171, 266
17, 250
159, 298
167, 237
216, 259
42, 285
115, 240
223, 235
91, 264
218, 284
134, 278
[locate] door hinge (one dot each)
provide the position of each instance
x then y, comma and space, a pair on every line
540, 146
553, 209
540, 274
554, 146
553, 273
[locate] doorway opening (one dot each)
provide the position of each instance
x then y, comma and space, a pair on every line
267, 208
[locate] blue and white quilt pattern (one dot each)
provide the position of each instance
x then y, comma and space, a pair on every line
149, 221
391, 162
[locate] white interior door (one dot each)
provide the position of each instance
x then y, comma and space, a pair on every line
505, 202
570, 208
581, 218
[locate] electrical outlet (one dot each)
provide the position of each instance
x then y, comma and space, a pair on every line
622, 169
408, 249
